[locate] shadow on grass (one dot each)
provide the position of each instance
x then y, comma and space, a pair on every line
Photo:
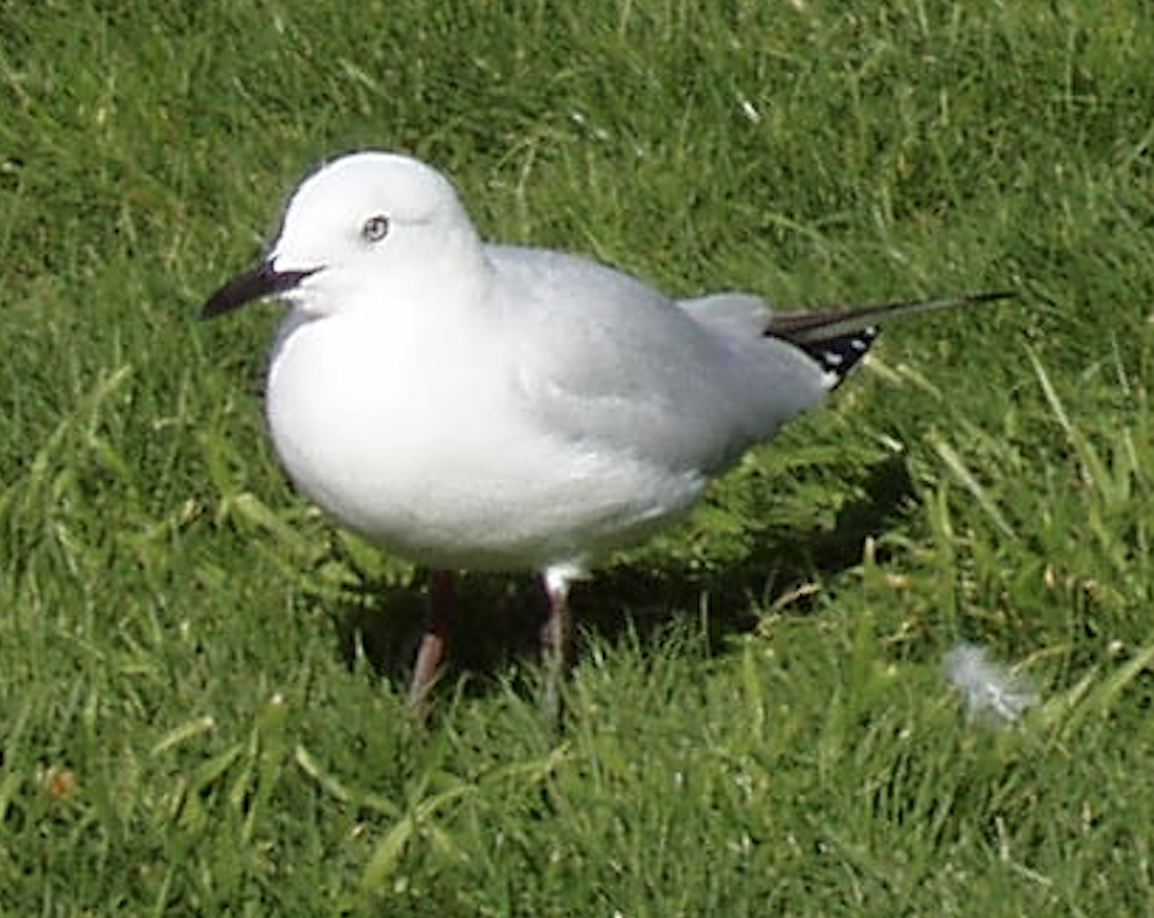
502, 613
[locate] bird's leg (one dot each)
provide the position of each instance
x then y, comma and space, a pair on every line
441, 607
556, 640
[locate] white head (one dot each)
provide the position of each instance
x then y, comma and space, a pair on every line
365, 218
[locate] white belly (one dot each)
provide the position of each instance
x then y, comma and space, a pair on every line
440, 467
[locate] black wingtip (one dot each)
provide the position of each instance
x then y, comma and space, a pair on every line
816, 325
840, 355
838, 337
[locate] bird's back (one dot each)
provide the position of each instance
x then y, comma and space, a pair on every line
627, 367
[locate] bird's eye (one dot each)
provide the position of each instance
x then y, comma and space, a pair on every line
375, 228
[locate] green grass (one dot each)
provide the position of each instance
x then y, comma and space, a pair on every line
201, 678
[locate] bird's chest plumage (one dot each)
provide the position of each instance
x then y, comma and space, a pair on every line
416, 441
366, 418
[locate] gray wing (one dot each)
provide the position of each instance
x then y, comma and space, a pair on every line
602, 358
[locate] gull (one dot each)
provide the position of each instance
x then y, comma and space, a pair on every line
477, 406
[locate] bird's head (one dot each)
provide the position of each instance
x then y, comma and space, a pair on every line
367, 221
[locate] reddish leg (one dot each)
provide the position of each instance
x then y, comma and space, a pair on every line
556, 639
441, 608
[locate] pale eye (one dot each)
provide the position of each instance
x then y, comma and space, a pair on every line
375, 228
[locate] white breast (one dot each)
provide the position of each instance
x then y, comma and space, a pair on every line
442, 467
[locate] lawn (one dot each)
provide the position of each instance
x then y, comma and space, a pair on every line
202, 679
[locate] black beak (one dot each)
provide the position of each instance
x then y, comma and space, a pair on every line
262, 281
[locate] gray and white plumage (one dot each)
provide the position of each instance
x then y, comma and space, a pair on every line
469, 405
